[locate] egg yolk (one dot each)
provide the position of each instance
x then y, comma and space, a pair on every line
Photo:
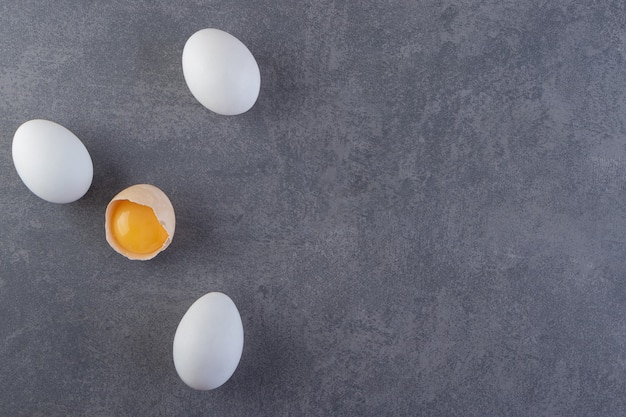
136, 227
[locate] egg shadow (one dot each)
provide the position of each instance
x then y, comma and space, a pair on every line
150, 346
283, 89
193, 238
86, 215
274, 358
108, 175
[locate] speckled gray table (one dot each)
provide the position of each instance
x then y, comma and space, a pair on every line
423, 214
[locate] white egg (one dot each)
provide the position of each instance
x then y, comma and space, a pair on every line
208, 342
51, 161
221, 72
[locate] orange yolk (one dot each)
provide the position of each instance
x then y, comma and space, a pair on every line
136, 227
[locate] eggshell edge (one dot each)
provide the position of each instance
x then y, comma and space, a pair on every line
150, 196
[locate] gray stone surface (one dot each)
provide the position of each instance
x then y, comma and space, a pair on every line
423, 214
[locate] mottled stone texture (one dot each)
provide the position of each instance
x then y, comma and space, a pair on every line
423, 214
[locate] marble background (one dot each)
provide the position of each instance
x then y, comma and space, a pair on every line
422, 215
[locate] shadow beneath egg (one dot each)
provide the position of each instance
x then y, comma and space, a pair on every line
283, 85
109, 176
274, 360
114, 170
150, 343
193, 237
85, 216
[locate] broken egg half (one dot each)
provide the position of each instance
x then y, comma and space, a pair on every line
140, 222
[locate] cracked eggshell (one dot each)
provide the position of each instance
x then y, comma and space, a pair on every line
150, 196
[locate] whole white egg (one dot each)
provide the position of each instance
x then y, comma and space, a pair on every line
221, 72
208, 342
51, 161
